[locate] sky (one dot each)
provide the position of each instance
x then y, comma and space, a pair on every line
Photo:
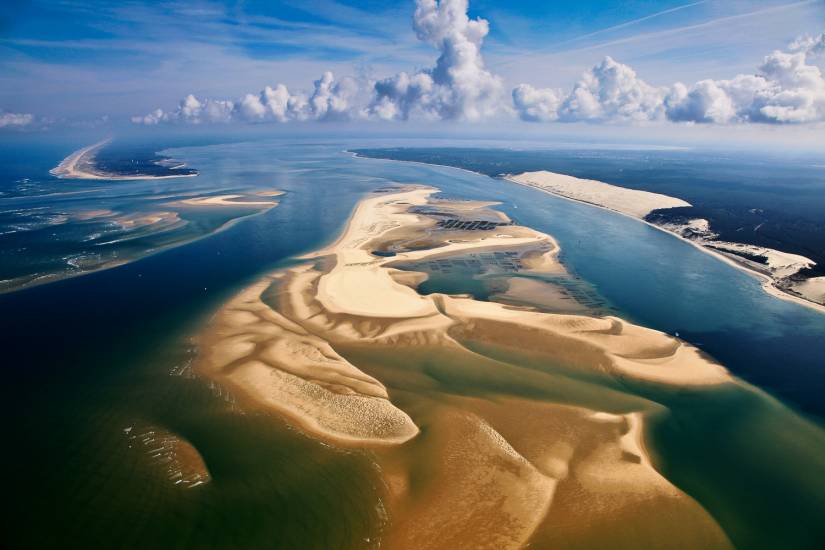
592, 63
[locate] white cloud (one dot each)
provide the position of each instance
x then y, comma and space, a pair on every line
15, 120
787, 88
330, 100
705, 101
536, 105
611, 92
814, 45
458, 87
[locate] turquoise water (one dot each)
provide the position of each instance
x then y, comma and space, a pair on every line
657, 280
87, 357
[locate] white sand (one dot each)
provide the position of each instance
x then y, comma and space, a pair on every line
627, 201
780, 264
637, 204
812, 289
284, 359
494, 466
226, 200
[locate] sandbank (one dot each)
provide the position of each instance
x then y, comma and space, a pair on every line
314, 344
225, 200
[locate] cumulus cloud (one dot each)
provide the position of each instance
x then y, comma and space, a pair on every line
536, 105
788, 87
608, 92
459, 87
611, 91
15, 120
330, 100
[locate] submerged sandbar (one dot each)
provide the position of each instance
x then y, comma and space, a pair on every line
345, 348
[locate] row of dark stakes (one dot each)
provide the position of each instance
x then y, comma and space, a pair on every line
472, 225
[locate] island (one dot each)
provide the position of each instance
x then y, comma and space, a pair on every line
345, 348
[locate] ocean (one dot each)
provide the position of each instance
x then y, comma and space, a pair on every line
93, 360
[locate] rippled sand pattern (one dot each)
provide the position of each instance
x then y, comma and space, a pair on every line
493, 426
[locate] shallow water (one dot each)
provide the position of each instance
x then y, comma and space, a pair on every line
91, 356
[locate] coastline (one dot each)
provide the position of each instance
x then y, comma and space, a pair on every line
55, 277
307, 343
80, 165
768, 284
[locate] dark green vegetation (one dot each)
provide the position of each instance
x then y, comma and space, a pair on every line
127, 159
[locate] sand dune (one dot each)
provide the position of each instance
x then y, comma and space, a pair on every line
812, 289
775, 273
627, 201
344, 347
278, 363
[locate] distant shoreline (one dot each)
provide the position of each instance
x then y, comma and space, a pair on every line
53, 277
81, 165
769, 284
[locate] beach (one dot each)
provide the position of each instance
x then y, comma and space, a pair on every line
631, 202
318, 344
774, 268
468, 426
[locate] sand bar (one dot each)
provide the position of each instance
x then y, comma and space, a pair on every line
494, 472
501, 471
226, 200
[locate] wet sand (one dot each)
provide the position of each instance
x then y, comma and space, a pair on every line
493, 425
229, 200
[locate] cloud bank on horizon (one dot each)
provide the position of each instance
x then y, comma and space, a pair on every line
12, 120
788, 87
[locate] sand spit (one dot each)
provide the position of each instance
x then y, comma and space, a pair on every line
228, 200
776, 273
81, 165
343, 346
627, 201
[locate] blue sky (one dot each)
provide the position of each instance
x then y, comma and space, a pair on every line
79, 61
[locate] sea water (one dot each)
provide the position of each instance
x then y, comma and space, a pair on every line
90, 357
